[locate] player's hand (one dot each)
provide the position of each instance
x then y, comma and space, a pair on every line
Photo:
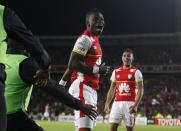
90, 111
133, 109
41, 77
103, 69
62, 83
61, 86
106, 109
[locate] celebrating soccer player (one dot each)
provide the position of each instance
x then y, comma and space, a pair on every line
86, 64
125, 80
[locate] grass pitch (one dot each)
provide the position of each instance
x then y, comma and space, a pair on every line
69, 126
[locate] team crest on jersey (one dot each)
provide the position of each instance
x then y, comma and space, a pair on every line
129, 76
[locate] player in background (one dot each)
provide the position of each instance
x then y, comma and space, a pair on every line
11, 26
21, 69
125, 80
85, 65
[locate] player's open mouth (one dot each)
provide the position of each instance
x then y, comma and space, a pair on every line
99, 27
126, 61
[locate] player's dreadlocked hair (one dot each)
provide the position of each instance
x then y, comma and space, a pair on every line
90, 12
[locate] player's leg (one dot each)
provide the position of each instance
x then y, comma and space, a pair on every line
85, 124
129, 118
114, 126
3, 121
115, 116
76, 128
85, 129
86, 95
20, 121
129, 128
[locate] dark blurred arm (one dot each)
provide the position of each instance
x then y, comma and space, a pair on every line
62, 95
3, 122
28, 69
2, 111
16, 29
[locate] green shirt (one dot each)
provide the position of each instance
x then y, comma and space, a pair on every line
17, 92
3, 36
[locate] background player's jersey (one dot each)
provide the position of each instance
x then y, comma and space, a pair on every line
88, 46
126, 82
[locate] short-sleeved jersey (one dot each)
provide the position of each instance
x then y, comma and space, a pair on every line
88, 45
126, 82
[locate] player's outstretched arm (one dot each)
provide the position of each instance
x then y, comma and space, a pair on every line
63, 96
28, 69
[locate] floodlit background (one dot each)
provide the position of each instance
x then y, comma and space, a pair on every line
151, 28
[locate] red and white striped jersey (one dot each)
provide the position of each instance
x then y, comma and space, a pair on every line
126, 82
88, 45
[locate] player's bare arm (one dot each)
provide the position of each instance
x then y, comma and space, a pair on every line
110, 97
76, 62
138, 98
66, 76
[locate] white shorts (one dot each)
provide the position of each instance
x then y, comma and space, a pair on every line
120, 111
87, 95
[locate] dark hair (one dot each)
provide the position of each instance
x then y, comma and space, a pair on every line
128, 50
89, 13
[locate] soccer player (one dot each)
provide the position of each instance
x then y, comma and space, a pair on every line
85, 65
12, 27
125, 80
21, 70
